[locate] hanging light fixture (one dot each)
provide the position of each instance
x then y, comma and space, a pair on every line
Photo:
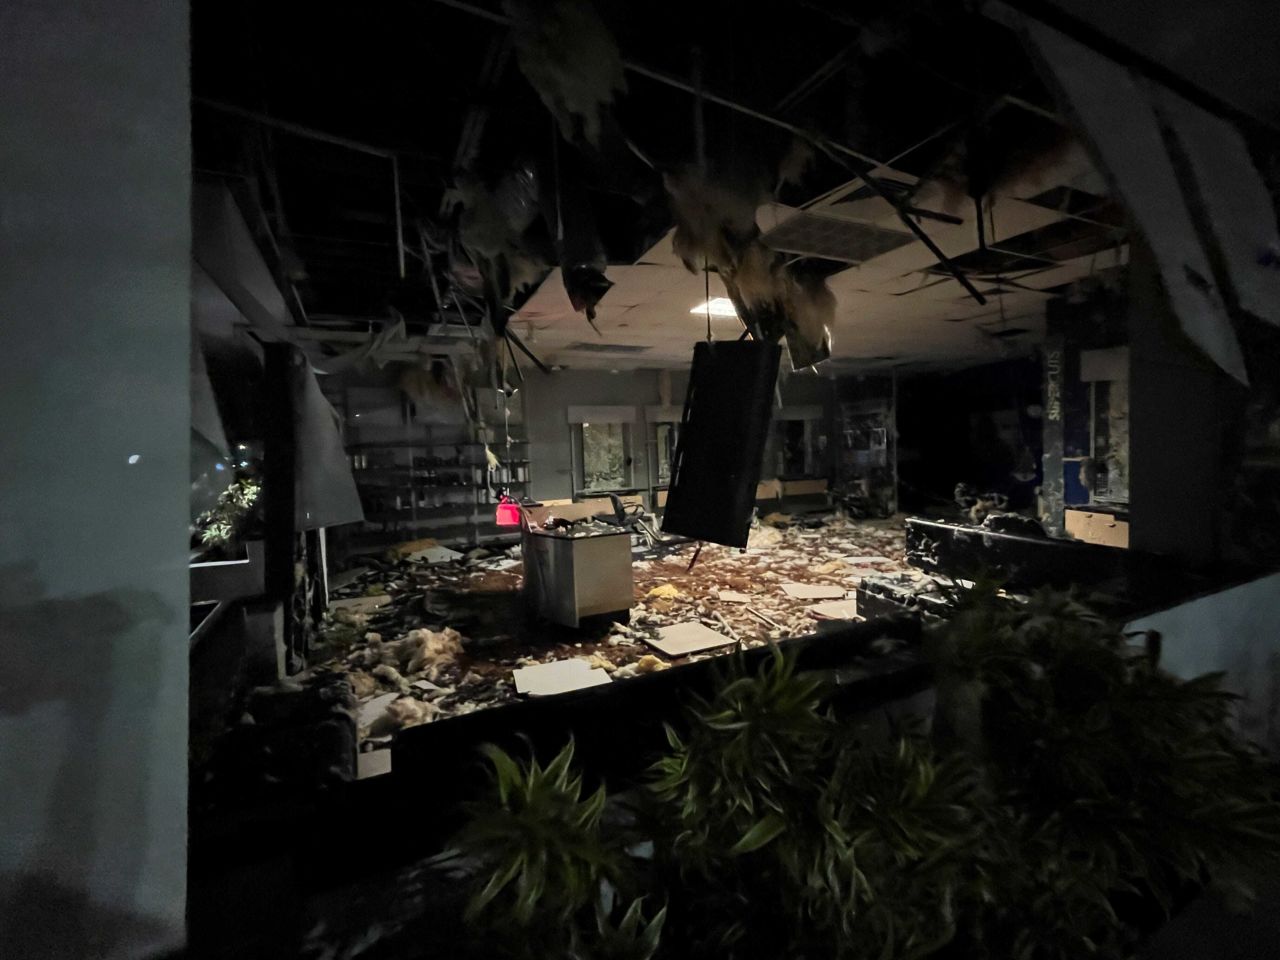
716, 307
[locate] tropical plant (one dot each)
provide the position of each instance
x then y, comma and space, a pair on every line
1069, 795
632, 938
220, 523
743, 776
1118, 788
538, 841
912, 826
544, 862
796, 839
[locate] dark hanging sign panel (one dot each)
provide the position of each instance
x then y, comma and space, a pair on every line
722, 437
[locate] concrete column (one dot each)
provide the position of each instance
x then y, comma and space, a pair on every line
94, 476
1180, 407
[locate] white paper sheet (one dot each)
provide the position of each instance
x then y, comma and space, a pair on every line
559, 676
813, 591
682, 639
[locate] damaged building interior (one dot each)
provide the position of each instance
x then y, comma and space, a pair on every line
844, 437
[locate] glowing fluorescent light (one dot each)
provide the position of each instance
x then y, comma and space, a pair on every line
717, 307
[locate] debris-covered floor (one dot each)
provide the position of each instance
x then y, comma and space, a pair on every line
422, 640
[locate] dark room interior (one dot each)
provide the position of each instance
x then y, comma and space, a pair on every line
782, 480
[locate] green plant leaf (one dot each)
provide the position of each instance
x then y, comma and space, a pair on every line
766, 830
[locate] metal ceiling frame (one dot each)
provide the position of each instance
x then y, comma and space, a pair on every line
858, 163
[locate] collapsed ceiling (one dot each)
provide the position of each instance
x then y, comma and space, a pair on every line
885, 184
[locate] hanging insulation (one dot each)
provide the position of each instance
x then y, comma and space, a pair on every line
569, 57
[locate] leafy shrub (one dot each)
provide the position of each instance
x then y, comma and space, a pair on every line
218, 525
793, 839
1069, 795
1117, 786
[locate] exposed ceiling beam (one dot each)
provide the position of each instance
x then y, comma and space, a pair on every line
311, 133
1081, 30
860, 164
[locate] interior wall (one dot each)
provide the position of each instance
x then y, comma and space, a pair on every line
547, 402
1179, 407
1233, 631
548, 398
95, 300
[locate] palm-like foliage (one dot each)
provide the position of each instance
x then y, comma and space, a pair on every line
632, 938
538, 842
1115, 783
793, 839
1070, 792
739, 774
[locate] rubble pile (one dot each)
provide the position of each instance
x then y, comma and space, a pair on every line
426, 634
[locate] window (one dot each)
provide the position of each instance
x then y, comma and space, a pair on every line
799, 441
667, 436
606, 456
796, 454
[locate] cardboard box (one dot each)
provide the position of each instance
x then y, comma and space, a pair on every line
1104, 529
768, 490
581, 510
803, 488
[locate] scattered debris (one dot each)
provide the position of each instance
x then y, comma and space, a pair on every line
434, 555
830, 567
344, 577
364, 605
665, 591
756, 613
728, 628
362, 684
599, 662
682, 639
402, 550
763, 536
373, 763
405, 712
813, 591
835, 610
372, 710
454, 633
646, 664
390, 676
559, 676
425, 650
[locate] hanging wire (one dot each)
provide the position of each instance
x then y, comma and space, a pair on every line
555, 175
706, 281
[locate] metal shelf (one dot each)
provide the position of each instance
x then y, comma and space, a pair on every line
400, 444
388, 485
421, 513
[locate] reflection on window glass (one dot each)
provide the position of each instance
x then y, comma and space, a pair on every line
605, 459
666, 439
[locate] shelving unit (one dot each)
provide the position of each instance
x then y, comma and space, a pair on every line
867, 458
426, 479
